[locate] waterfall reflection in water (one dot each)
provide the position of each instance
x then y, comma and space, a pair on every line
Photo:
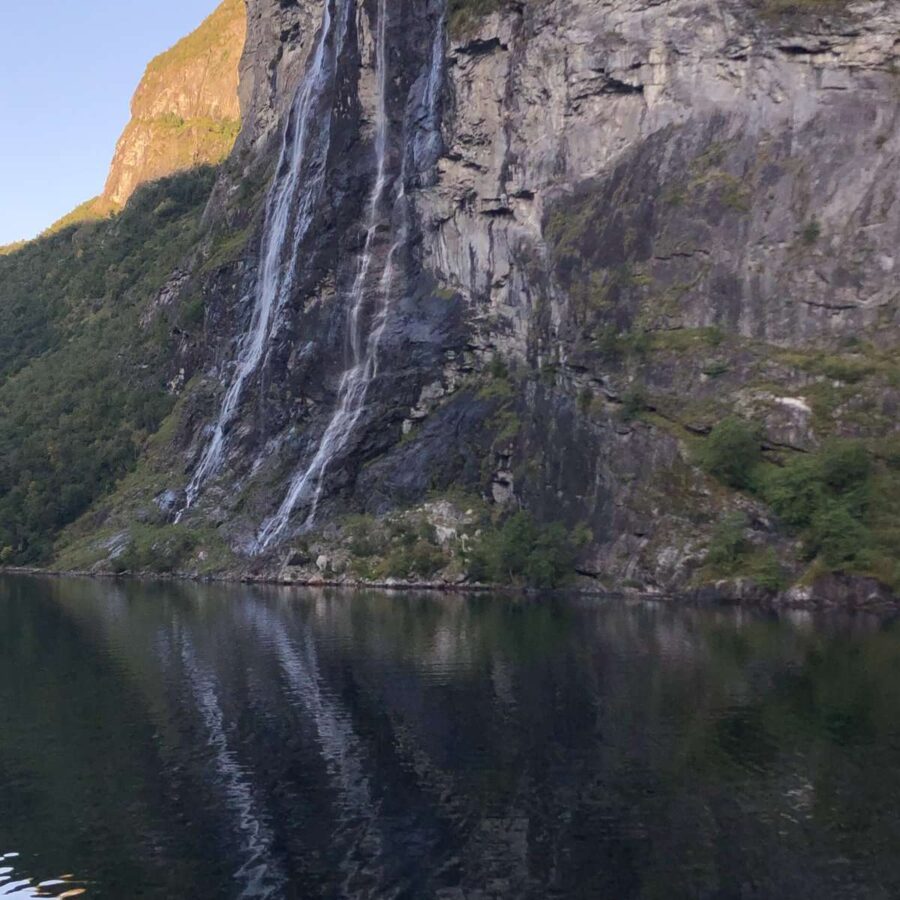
235, 742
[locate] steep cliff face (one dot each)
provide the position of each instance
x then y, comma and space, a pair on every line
653, 204
185, 113
536, 262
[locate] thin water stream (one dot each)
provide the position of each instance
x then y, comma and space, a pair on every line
290, 210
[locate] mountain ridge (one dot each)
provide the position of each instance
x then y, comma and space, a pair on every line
185, 112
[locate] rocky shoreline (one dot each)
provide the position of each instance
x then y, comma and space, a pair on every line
846, 593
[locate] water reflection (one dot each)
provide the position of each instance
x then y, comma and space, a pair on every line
257, 875
233, 742
13, 884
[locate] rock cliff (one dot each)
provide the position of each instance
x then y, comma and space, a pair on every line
184, 113
534, 264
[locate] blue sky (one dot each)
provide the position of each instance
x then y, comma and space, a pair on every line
68, 69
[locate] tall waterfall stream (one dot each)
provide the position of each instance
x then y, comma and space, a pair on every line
297, 189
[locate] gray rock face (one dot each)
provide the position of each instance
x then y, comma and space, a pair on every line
749, 163
280, 36
666, 208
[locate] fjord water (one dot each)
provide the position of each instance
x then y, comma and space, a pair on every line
180, 741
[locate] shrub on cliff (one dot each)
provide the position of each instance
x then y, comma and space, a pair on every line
732, 453
423, 559
728, 543
732, 555
825, 497
525, 553
795, 492
837, 536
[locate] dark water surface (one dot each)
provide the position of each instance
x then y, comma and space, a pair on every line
173, 741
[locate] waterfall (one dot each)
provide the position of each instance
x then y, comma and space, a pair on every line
427, 141
363, 366
290, 209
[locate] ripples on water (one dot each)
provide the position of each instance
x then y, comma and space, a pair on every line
13, 884
173, 741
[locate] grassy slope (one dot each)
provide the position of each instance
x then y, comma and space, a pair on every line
81, 382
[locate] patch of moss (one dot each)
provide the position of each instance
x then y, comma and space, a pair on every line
167, 549
465, 15
507, 424
782, 8
227, 248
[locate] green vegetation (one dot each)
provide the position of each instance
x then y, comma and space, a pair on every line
166, 549
731, 555
517, 551
399, 547
500, 389
227, 248
150, 550
800, 7
89, 211
521, 552
707, 179
849, 368
213, 39
634, 402
840, 501
811, 232
81, 381
732, 453
826, 498
216, 136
